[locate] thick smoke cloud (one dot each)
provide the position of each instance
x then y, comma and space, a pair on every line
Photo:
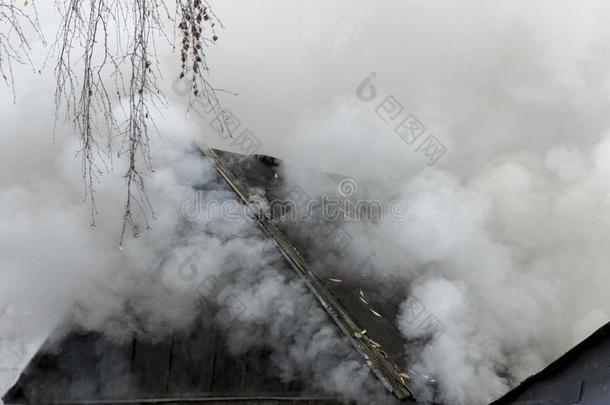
502, 240
503, 237
56, 268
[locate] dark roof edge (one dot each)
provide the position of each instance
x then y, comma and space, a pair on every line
556, 365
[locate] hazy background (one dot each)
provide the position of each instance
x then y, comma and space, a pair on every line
508, 238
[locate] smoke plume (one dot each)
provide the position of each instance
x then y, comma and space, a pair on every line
501, 238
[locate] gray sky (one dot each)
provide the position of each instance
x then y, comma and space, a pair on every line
482, 76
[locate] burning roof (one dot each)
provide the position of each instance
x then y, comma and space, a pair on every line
363, 306
196, 365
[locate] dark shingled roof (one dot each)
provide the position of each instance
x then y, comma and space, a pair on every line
196, 366
581, 376
187, 367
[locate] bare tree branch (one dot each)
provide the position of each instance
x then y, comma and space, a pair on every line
107, 75
14, 45
107, 48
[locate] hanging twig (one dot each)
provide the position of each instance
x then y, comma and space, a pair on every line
14, 44
130, 66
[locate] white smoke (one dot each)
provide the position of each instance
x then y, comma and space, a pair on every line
57, 269
510, 259
503, 240
54, 266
